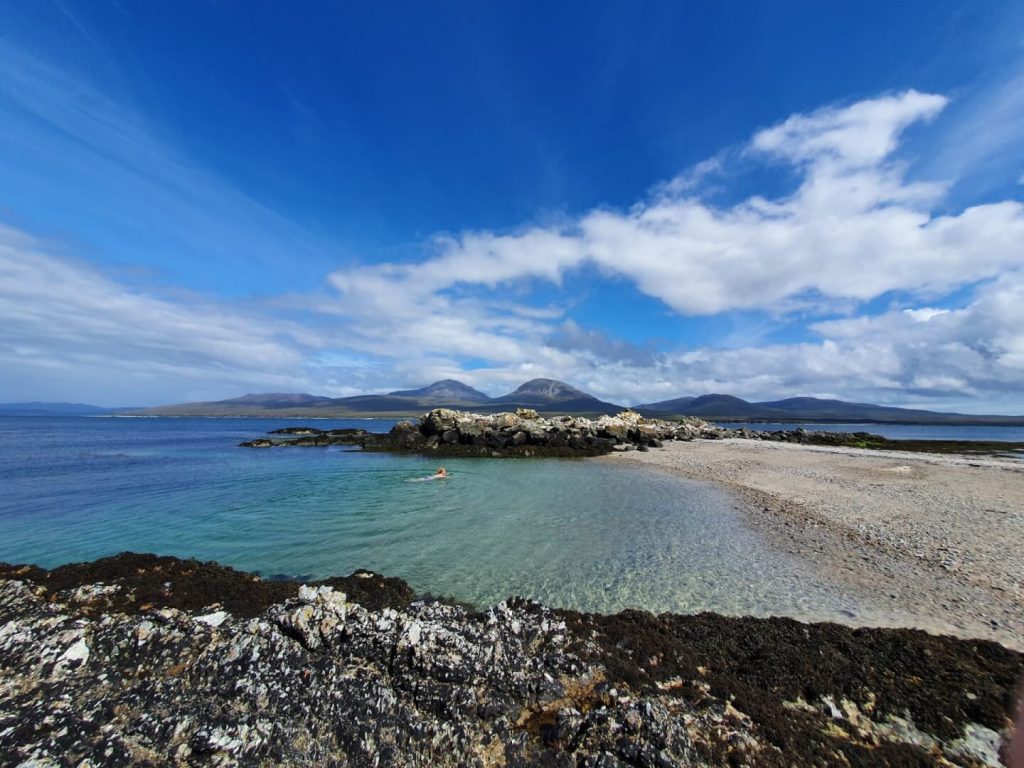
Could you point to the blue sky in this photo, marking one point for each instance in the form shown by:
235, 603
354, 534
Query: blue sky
646, 200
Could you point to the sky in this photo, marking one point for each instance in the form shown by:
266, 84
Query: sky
646, 200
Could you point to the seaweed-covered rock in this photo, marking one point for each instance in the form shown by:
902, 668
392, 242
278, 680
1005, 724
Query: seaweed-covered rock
338, 673
876, 442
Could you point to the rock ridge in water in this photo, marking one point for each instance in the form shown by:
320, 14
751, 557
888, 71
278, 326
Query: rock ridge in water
523, 432
320, 678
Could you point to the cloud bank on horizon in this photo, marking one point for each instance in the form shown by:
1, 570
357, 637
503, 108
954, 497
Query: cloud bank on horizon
871, 286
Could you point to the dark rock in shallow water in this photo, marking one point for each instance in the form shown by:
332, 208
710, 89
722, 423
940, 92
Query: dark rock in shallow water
260, 442
372, 677
348, 432
868, 440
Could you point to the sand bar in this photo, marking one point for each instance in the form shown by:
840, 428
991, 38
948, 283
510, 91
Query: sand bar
938, 538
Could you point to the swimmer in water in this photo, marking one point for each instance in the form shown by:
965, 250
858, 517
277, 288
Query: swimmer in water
441, 474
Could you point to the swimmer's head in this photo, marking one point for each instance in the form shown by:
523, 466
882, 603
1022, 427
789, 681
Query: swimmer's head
442, 471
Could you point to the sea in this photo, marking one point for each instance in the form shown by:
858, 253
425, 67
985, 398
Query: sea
585, 534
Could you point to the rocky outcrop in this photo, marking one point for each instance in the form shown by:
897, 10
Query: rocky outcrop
520, 433
526, 433
373, 677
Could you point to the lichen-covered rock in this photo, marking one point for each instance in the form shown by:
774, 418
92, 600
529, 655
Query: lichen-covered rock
321, 679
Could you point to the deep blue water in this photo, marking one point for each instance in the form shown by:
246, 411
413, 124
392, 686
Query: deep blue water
895, 431
586, 534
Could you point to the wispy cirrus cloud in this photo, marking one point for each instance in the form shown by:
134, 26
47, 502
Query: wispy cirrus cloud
79, 160
855, 228
69, 327
982, 146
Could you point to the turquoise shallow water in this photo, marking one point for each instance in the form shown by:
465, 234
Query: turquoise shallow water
574, 533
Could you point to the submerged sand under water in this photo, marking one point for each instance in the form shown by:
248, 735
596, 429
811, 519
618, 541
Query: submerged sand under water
938, 538
571, 533
735, 527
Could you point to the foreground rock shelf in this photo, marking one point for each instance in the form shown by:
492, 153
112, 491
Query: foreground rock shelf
140, 660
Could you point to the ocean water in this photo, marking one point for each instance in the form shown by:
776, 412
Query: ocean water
583, 534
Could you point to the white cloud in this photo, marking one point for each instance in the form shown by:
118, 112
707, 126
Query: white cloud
854, 229
971, 358
143, 199
72, 327
961, 355
982, 343
87, 335
858, 136
924, 314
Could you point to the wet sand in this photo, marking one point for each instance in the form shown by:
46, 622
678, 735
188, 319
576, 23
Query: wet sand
938, 538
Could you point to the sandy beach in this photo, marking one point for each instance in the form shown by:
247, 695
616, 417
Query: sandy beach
938, 538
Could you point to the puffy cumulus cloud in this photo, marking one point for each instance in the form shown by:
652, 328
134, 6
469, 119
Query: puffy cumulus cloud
860, 135
977, 348
413, 316
854, 228
970, 357
86, 335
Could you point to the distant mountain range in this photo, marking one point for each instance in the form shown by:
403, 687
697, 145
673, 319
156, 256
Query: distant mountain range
729, 408
545, 395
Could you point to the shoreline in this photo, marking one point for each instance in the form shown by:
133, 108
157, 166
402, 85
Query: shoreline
934, 536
